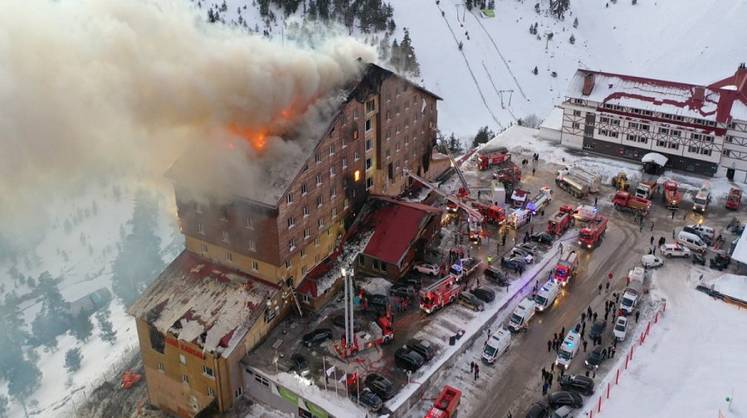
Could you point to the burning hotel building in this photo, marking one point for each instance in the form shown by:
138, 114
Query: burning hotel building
245, 257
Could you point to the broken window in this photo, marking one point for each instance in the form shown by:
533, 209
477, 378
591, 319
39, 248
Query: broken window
157, 341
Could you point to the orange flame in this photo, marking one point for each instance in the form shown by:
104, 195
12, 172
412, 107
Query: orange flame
256, 138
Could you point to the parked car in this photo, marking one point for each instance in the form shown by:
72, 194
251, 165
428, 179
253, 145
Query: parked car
407, 359
523, 254
705, 232
339, 321
380, 385
651, 261
370, 400
577, 383
431, 269
317, 337
514, 264
496, 275
690, 230
471, 301
299, 364
720, 261
485, 295
674, 250
413, 279
542, 238
377, 303
621, 328
563, 412
538, 410
597, 329
699, 258
402, 290
422, 347
565, 398
531, 247
594, 358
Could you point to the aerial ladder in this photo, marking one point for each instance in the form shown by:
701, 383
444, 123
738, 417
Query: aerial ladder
464, 190
473, 213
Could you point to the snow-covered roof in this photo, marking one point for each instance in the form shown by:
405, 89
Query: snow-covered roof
717, 102
513, 136
203, 303
740, 251
554, 119
732, 285
656, 158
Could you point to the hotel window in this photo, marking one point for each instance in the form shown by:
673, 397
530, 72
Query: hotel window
200, 228
319, 201
318, 179
306, 233
644, 127
368, 125
207, 371
291, 244
332, 149
642, 140
291, 222
249, 222
615, 122
674, 145
304, 189
705, 151
661, 143
676, 133
289, 198
305, 211
252, 245
226, 237
318, 157
664, 131
229, 256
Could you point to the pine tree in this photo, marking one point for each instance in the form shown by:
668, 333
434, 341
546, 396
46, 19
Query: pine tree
81, 326
23, 381
53, 319
575, 21
3, 406
535, 71
311, 10
484, 135
106, 330
572, 39
73, 359
469, 4
12, 334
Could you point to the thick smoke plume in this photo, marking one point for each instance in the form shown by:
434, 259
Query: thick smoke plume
89, 88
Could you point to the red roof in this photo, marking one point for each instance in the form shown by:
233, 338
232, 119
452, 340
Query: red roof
396, 224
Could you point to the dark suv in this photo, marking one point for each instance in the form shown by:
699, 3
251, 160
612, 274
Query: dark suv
380, 385
422, 347
408, 359
565, 398
317, 337
577, 383
538, 410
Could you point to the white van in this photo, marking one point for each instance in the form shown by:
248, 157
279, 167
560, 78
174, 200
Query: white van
522, 315
519, 218
691, 241
496, 345
568, 349
704, 231
632, 294
546, 295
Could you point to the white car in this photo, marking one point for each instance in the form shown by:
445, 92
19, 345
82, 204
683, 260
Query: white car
621, 328
674, 250
431, 269
651, 261
522, 254
704, 231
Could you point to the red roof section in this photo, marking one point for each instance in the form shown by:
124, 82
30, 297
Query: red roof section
396, 225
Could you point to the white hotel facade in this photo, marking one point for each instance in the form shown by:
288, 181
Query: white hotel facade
700, 129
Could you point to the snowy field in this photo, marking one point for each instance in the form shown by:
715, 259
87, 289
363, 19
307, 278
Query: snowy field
692, 360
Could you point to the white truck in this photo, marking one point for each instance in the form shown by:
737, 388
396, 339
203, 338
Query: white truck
496, 345
568, 349
591, 180
632, 294
522, 315
546, 295
702, 198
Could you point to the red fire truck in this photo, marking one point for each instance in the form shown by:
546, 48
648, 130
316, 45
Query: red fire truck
672, 197
625, 201
440, 294
592, 233
566, 268
560, 221
487, 158
493, 214
734, 199
446, 403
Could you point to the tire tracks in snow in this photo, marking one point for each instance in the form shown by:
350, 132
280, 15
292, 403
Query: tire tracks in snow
505, 62
469, 68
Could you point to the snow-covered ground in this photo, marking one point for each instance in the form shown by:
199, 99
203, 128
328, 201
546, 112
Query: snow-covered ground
692, 361
90, 246
732, 285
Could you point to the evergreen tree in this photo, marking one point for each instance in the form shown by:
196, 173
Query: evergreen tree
311, 10
73, 359
470, 4
12, 335
23, 381
575, 21
81, 326
139, 260
106, 330
572, 39
408, 55
53, 319
535, 71
323, 7
484, 135
3, 406
455, 145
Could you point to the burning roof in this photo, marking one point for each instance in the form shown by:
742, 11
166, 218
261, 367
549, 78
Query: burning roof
203, 303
